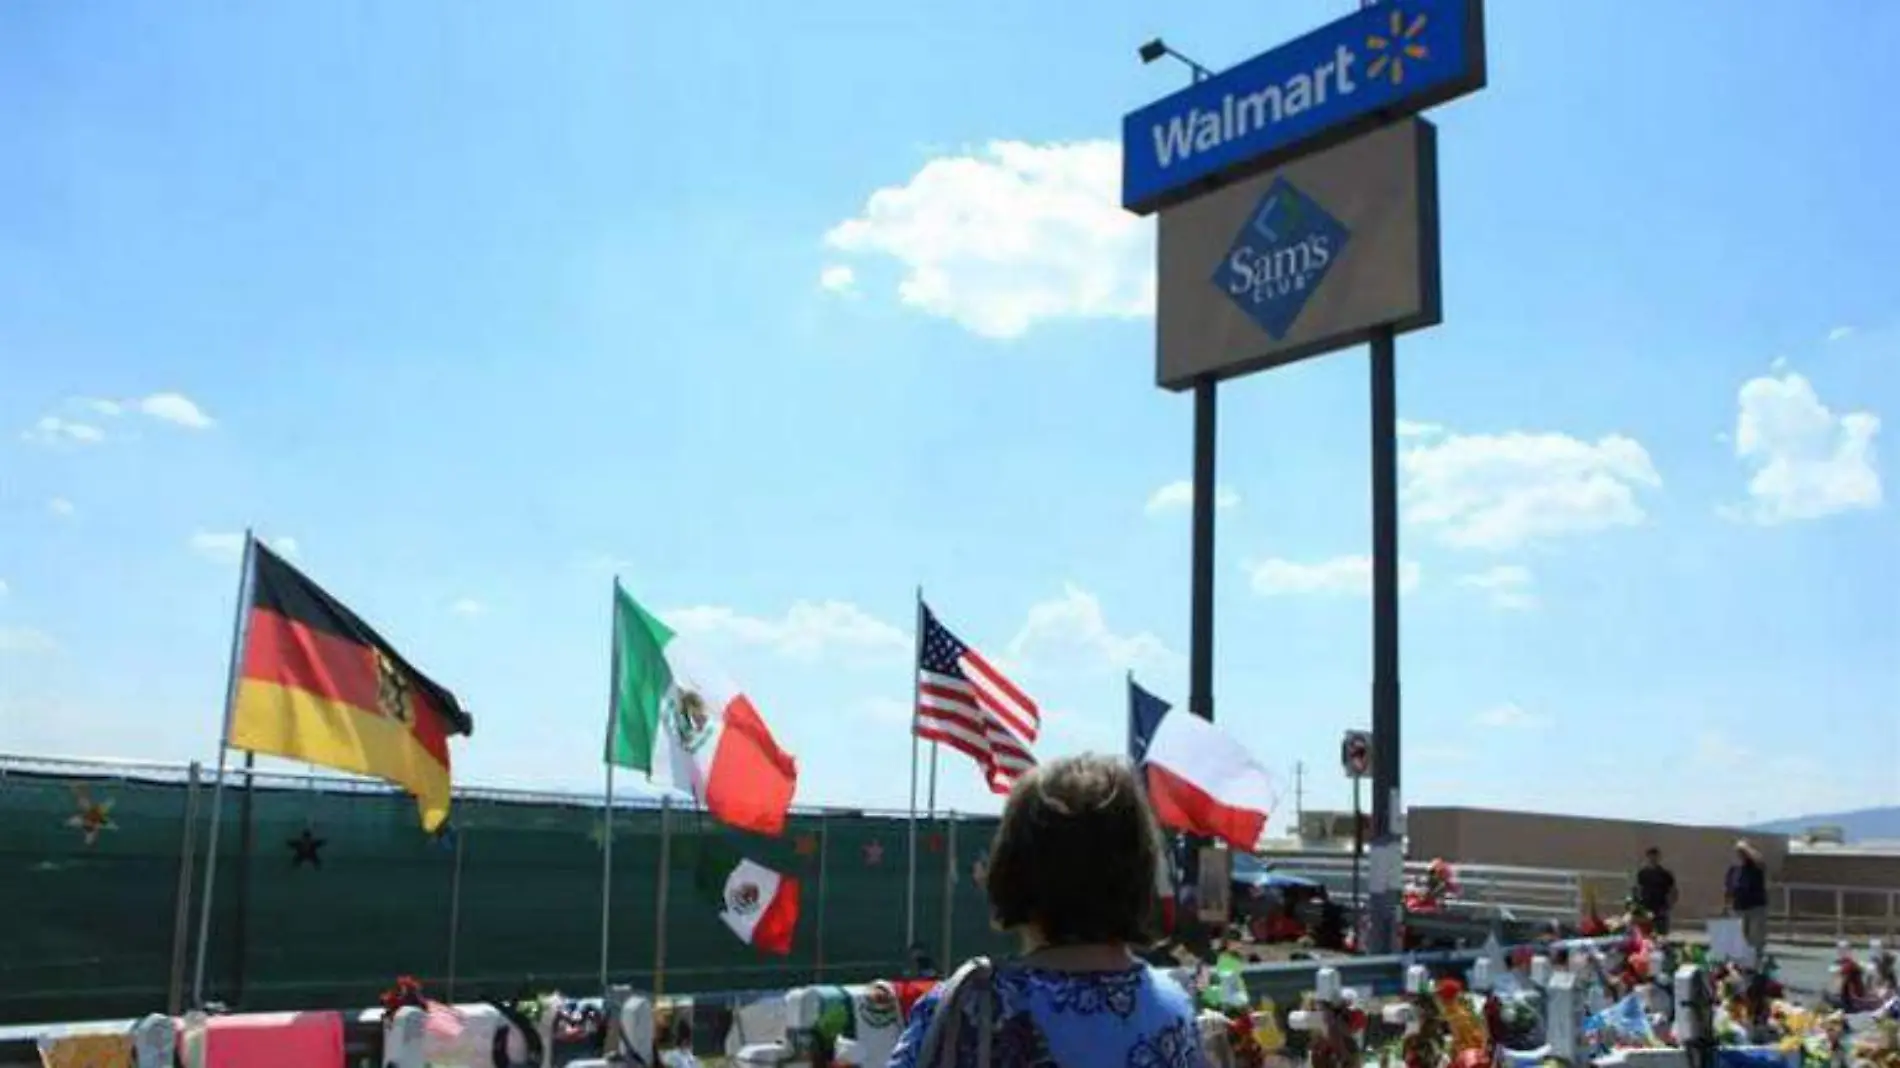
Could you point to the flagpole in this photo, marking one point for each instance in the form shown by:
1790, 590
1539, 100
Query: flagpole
455, 908
607, 806
930, 806
181, 919
659, 906
824, 850
1129, 741
916, 695
240, 625
247, 821
606, 875
949, 889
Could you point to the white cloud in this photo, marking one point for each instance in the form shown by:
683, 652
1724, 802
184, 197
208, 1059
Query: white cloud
1507, 716
1180, 494
3, 588
229, 546
1012, 236
1807, 461
1413, 428
807, 631
837, 278
1072, 631
1840, 333
468, 606
1341, 575
1498, 491
61, 507
175, 408
54, 430
26, 641
1508, 586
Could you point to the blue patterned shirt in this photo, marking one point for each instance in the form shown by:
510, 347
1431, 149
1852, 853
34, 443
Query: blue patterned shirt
1138, 1017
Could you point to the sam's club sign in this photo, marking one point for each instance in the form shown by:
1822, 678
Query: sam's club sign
1280, 257
1384, 62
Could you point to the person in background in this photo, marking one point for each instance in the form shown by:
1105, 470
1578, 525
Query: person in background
1745, 891
1656, 890
1072, 873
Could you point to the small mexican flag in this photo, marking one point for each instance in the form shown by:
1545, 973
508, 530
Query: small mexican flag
680, 720
759, 904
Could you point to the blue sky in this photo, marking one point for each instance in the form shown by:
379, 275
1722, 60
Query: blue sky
779, 312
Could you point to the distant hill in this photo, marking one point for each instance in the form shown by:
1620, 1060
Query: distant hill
1858, 826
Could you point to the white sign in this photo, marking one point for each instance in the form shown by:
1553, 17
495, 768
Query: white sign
1215, 885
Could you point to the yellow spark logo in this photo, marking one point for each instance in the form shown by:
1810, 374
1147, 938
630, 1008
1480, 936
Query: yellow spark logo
1395, 47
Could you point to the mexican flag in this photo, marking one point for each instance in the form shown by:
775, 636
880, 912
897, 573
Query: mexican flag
677, 718
758, 904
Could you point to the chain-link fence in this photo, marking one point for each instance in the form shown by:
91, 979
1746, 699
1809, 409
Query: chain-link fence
327, 889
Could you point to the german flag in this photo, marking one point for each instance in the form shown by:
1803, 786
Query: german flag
318, 685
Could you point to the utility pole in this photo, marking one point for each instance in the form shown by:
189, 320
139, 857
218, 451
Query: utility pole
1299, 796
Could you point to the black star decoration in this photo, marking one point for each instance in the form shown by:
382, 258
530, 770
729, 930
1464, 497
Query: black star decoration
304, 848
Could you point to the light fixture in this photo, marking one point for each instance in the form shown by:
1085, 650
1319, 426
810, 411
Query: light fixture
1157, 48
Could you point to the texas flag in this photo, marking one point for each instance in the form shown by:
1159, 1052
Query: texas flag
1202, 782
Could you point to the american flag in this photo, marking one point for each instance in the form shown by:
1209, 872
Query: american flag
971, 707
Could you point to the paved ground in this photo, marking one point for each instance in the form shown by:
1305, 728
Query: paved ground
1804, 969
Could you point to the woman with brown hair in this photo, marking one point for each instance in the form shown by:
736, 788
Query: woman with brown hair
1072, 873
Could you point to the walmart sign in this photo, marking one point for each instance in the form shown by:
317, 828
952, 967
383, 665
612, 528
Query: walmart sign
1384, 62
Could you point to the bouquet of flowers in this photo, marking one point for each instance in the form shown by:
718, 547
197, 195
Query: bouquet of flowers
1430, 894
1337, 1043
406, 992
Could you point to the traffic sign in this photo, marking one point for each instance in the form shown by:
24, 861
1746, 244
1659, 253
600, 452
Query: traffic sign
1355, 754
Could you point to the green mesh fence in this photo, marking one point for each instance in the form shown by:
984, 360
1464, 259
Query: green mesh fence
325, 892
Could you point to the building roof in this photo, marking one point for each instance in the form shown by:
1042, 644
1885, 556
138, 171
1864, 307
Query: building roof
1867, 847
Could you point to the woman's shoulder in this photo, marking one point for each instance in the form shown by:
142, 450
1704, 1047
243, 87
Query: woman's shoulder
1138, 974
1121, 991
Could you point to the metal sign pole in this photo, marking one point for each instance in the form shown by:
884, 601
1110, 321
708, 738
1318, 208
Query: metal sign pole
1358, 855
1201, 608
1201, 582
1388, 865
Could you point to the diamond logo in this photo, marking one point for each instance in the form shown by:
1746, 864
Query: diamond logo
1280, 257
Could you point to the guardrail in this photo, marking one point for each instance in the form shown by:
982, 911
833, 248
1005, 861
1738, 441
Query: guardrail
1541, 894
1808, 911
1285, 983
